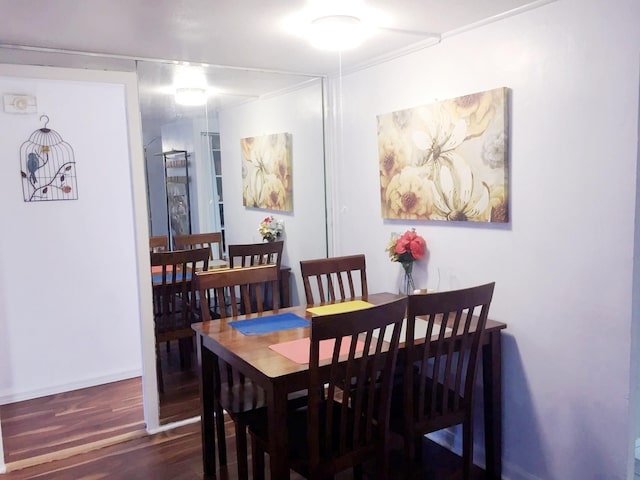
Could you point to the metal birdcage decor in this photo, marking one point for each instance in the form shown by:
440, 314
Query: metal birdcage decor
47, 166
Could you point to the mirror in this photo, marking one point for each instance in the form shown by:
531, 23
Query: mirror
244, 103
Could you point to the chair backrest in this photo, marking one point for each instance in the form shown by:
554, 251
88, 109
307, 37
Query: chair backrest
448, 364
158, 243
242, 289
250, 254
212, 241
357, 425
331, 279
174, 300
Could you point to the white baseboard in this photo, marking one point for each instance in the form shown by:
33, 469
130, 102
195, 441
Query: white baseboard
52, 390
171, 426
3, 468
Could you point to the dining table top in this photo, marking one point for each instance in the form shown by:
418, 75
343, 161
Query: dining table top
255, 350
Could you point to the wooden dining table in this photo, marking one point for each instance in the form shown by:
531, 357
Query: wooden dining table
279, 376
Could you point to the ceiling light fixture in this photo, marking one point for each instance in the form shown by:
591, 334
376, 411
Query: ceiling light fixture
191, 96
337, 32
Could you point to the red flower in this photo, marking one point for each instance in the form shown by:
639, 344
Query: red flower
412, 243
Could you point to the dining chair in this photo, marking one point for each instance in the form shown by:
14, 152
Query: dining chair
331, 279
212, 240
174, 301
251, 254
439, 375
341, 428
158, 243
237, 290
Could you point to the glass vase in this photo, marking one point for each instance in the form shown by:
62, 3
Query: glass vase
407, 285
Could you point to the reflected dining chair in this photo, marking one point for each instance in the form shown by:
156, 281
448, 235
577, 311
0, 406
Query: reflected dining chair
237, 290
439, 392
158, 243
174, 301
212, 241
341, 428
251, 254
331, 279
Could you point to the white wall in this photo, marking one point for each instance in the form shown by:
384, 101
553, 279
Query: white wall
74, 275
300, 113
563, 266
57, 333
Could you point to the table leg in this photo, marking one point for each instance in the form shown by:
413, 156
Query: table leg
278, 434
492, 383
207, 419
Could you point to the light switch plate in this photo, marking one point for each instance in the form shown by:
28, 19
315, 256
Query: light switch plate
19, 103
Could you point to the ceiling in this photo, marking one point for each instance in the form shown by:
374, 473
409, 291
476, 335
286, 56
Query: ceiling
247, 37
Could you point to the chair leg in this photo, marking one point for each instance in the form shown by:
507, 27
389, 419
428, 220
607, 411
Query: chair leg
241, 450
159, 370
257, 459
222, 443
467, 448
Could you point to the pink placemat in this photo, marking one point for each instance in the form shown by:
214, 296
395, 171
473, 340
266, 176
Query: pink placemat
298, 350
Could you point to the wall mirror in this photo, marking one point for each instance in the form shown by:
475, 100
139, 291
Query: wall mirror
208, 137
243, 107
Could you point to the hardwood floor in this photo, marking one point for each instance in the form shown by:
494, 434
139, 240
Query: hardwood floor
181, 397
70, 422
177, 455
98, 433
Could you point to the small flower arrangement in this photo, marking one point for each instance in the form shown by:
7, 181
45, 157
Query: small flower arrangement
406, 249
271, 229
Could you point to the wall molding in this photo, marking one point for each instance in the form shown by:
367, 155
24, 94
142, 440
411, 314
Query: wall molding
66, 387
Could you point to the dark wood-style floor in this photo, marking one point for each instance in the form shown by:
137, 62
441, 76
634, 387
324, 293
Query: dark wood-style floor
98, 433
72, 422
177, 455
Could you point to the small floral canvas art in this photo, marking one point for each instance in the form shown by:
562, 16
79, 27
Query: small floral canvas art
447, 160
266, 172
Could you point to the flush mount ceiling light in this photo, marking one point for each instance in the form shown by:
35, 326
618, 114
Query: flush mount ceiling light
333, 24
190, 96
190, 85
337, 32
340, 25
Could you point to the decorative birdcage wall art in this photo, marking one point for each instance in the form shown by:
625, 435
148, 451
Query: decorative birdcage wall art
47, 166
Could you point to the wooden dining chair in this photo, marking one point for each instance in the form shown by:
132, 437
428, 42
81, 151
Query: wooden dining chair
212, 241
439, 392
331, 279
158, 243
237, 290
341, 428
174, 301
251, 254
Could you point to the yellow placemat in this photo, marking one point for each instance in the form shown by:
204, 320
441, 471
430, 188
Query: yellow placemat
340, 307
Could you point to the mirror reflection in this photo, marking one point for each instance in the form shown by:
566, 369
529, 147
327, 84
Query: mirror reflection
193, 120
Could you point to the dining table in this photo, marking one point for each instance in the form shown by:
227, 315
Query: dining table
268, 358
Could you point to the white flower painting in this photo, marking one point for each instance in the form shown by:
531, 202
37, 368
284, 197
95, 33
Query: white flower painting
266, 172
446, 161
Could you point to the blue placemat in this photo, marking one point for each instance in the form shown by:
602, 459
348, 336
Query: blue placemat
157, 277
272, 323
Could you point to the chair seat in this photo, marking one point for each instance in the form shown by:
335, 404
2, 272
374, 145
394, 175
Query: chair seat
397, 418
241, 397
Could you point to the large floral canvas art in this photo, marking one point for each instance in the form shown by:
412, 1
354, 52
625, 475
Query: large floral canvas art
266, 172
447, 160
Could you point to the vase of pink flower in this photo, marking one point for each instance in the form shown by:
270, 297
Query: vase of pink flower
406, 249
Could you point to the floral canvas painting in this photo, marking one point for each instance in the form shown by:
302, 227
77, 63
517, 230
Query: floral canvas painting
447, 160
266, 172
